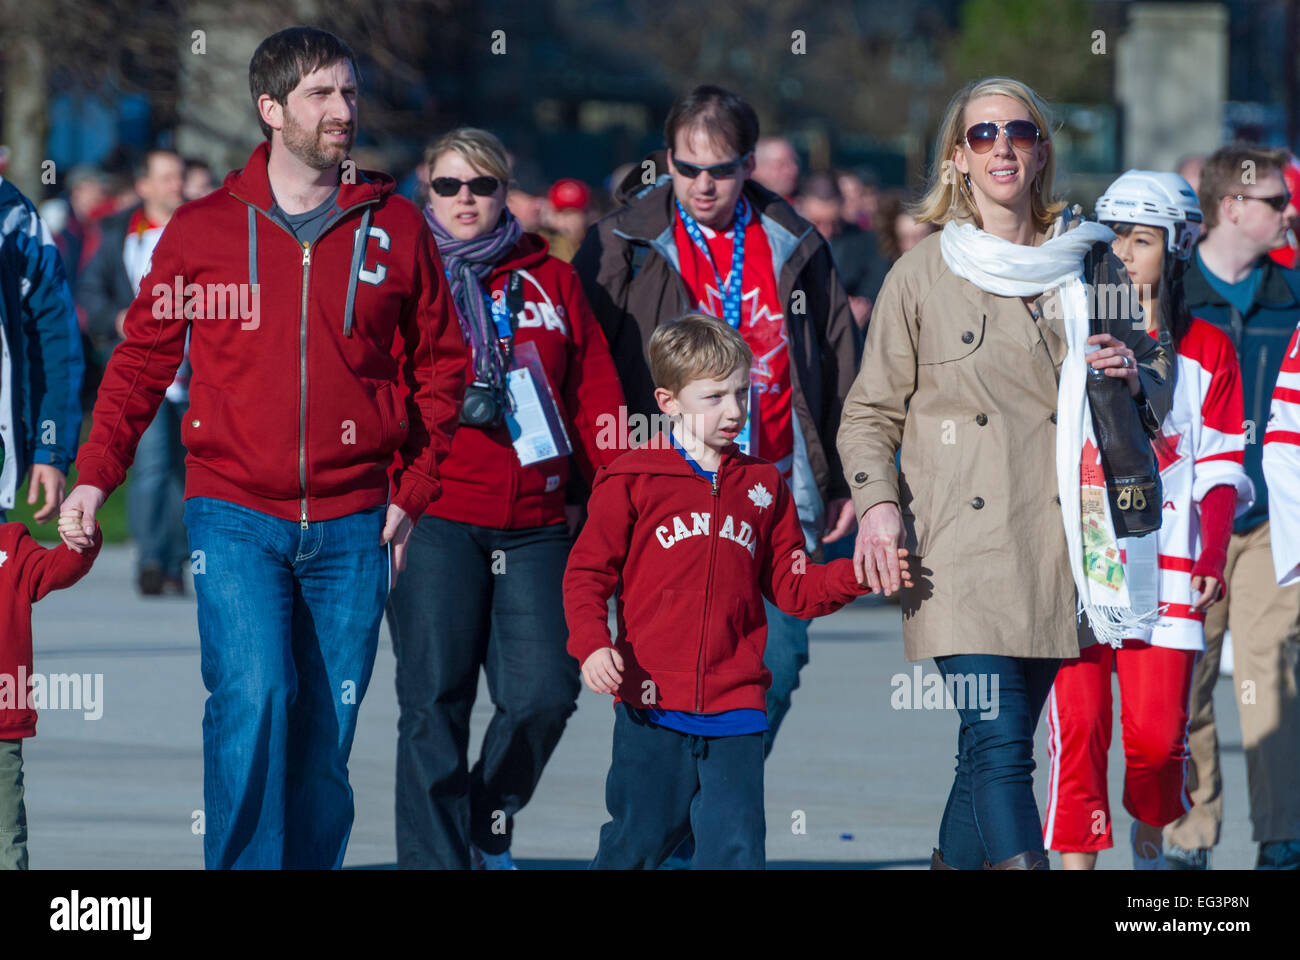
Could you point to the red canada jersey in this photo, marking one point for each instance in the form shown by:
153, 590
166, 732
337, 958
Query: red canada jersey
762, 324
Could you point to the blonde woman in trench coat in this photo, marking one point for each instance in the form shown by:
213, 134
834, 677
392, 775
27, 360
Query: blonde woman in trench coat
965, 383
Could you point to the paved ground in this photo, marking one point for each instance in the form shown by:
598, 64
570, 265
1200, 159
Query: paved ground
871, 781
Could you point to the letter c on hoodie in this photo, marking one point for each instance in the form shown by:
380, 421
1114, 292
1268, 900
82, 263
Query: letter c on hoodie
662, 533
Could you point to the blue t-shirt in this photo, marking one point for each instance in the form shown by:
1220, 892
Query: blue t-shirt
1240, 295
728, 723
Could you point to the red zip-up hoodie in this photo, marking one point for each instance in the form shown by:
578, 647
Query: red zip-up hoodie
295, 408
692, 562
483, 482
28, 572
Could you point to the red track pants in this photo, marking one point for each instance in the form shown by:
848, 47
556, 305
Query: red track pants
1154, 684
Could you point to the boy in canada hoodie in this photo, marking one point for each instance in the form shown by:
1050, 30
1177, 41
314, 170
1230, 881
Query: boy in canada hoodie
692, 534
28, 572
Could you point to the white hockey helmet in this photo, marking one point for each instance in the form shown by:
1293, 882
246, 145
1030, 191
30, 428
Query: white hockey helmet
1155, 199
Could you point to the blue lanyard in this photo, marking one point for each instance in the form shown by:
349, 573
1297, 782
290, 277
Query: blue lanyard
732, 292
500, 313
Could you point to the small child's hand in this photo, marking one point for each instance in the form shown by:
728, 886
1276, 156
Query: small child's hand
903, 567
904, 571
601, 671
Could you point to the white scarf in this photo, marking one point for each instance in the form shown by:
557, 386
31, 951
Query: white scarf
1008, 269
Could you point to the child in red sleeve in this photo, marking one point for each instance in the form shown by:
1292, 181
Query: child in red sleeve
693, 535
28, 572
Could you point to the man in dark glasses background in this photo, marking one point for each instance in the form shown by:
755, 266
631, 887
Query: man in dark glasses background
671, 248
1232, 283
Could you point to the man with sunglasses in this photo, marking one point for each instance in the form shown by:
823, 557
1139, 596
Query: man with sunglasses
1232, 283
697, 233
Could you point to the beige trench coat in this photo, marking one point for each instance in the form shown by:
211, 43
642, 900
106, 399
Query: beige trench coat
965, 383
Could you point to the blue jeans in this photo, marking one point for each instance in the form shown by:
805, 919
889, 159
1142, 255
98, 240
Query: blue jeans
476, 597
991, 813
288, 629
786, 654
665, 786
155, 498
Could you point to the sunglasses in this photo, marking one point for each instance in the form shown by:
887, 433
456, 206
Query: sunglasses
982, 136
718, 171
450, 186
1278, 201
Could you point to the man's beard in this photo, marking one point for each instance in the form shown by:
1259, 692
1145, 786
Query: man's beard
306, 145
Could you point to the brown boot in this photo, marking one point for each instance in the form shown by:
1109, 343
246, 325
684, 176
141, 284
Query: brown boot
936, 861
1029, 860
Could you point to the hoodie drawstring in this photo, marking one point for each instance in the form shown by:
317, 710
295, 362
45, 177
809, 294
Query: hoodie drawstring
358, 255
252, 247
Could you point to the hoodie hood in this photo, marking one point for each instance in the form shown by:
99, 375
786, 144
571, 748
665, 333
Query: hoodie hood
252, 186
658, 457
529, 252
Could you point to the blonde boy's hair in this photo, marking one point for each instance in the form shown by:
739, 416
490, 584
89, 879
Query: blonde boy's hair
696, 347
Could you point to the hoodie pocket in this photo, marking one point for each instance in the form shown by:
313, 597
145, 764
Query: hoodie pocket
669, 638
202, 424
393, 418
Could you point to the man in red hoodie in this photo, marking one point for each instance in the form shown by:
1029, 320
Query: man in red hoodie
295, 414
694, 535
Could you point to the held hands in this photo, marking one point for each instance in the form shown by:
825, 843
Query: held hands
601, 671
77, 517
1115, 359
878, 559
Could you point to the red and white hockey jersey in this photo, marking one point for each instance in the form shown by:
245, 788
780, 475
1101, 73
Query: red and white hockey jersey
1282, 467
1206, 444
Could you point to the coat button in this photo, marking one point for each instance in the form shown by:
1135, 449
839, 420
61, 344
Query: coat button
859, 478
1053, 417
401, 423
978, 503
194, 423
981, 419
968, 337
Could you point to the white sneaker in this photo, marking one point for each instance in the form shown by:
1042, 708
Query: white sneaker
1151, 857
490, 861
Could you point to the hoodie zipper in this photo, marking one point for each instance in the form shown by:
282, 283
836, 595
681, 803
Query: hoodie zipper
302, 387
708, 594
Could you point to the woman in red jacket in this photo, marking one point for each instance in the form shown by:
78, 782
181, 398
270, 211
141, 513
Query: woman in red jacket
483, 582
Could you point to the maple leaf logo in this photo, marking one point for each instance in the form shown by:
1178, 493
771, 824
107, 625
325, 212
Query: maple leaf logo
1091, 473
759, 494
1166, 447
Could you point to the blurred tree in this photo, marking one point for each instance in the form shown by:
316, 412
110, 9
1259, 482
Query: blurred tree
1049, 44
198, 82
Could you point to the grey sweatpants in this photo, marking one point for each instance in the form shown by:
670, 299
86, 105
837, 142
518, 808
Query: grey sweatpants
13, 813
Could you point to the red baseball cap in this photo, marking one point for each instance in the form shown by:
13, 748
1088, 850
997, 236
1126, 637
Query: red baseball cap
569, 194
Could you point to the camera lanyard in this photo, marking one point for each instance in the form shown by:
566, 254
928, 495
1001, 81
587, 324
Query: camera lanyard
505, 306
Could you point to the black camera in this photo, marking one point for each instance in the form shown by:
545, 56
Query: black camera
484, 405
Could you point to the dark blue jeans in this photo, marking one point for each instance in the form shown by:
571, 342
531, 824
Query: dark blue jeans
155, 497
991, 813
288, 629
664, 786
476, 597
